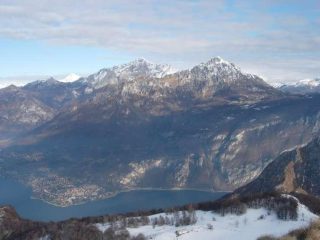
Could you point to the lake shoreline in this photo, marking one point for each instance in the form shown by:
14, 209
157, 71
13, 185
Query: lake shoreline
115, 194
29, 207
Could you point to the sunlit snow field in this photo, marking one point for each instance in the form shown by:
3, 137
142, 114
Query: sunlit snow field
249, 226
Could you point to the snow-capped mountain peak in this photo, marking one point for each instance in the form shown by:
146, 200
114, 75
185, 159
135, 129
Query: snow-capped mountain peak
218, 65
218, 60
139, 68
219, 70
70, 78
308, 82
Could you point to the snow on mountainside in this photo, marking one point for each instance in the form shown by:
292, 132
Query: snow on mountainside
219, 77
128, 72
215, 71
219, 67
248, 226
218, 71
202, 81
70, 78
303, 86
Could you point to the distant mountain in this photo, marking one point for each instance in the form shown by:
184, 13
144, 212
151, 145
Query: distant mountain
52, 92
304, 86
20, 111
20, 107
42, 83
296, 170
70, 78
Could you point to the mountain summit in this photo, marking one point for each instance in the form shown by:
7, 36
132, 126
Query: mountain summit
139, 68
42, 83
70, 78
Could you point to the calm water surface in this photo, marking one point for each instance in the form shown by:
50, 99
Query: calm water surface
19, 196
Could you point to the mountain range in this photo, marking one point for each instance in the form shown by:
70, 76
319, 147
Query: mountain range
146, 125
304, 86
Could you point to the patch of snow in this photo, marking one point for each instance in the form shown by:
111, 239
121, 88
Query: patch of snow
70, 78
102, 226
129, 72
249, 226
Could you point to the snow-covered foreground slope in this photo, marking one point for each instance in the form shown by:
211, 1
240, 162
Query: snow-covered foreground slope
251, 225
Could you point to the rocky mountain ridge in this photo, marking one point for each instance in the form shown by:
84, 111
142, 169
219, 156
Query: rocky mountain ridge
127, 72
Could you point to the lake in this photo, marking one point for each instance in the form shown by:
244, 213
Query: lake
19, 196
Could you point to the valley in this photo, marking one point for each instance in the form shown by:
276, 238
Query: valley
212, 127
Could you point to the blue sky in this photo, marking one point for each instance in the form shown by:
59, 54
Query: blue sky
278, 40
34, 57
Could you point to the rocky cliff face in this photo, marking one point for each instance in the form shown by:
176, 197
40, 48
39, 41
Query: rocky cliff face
296, 170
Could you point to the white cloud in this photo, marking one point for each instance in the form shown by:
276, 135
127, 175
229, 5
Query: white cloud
174, 31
